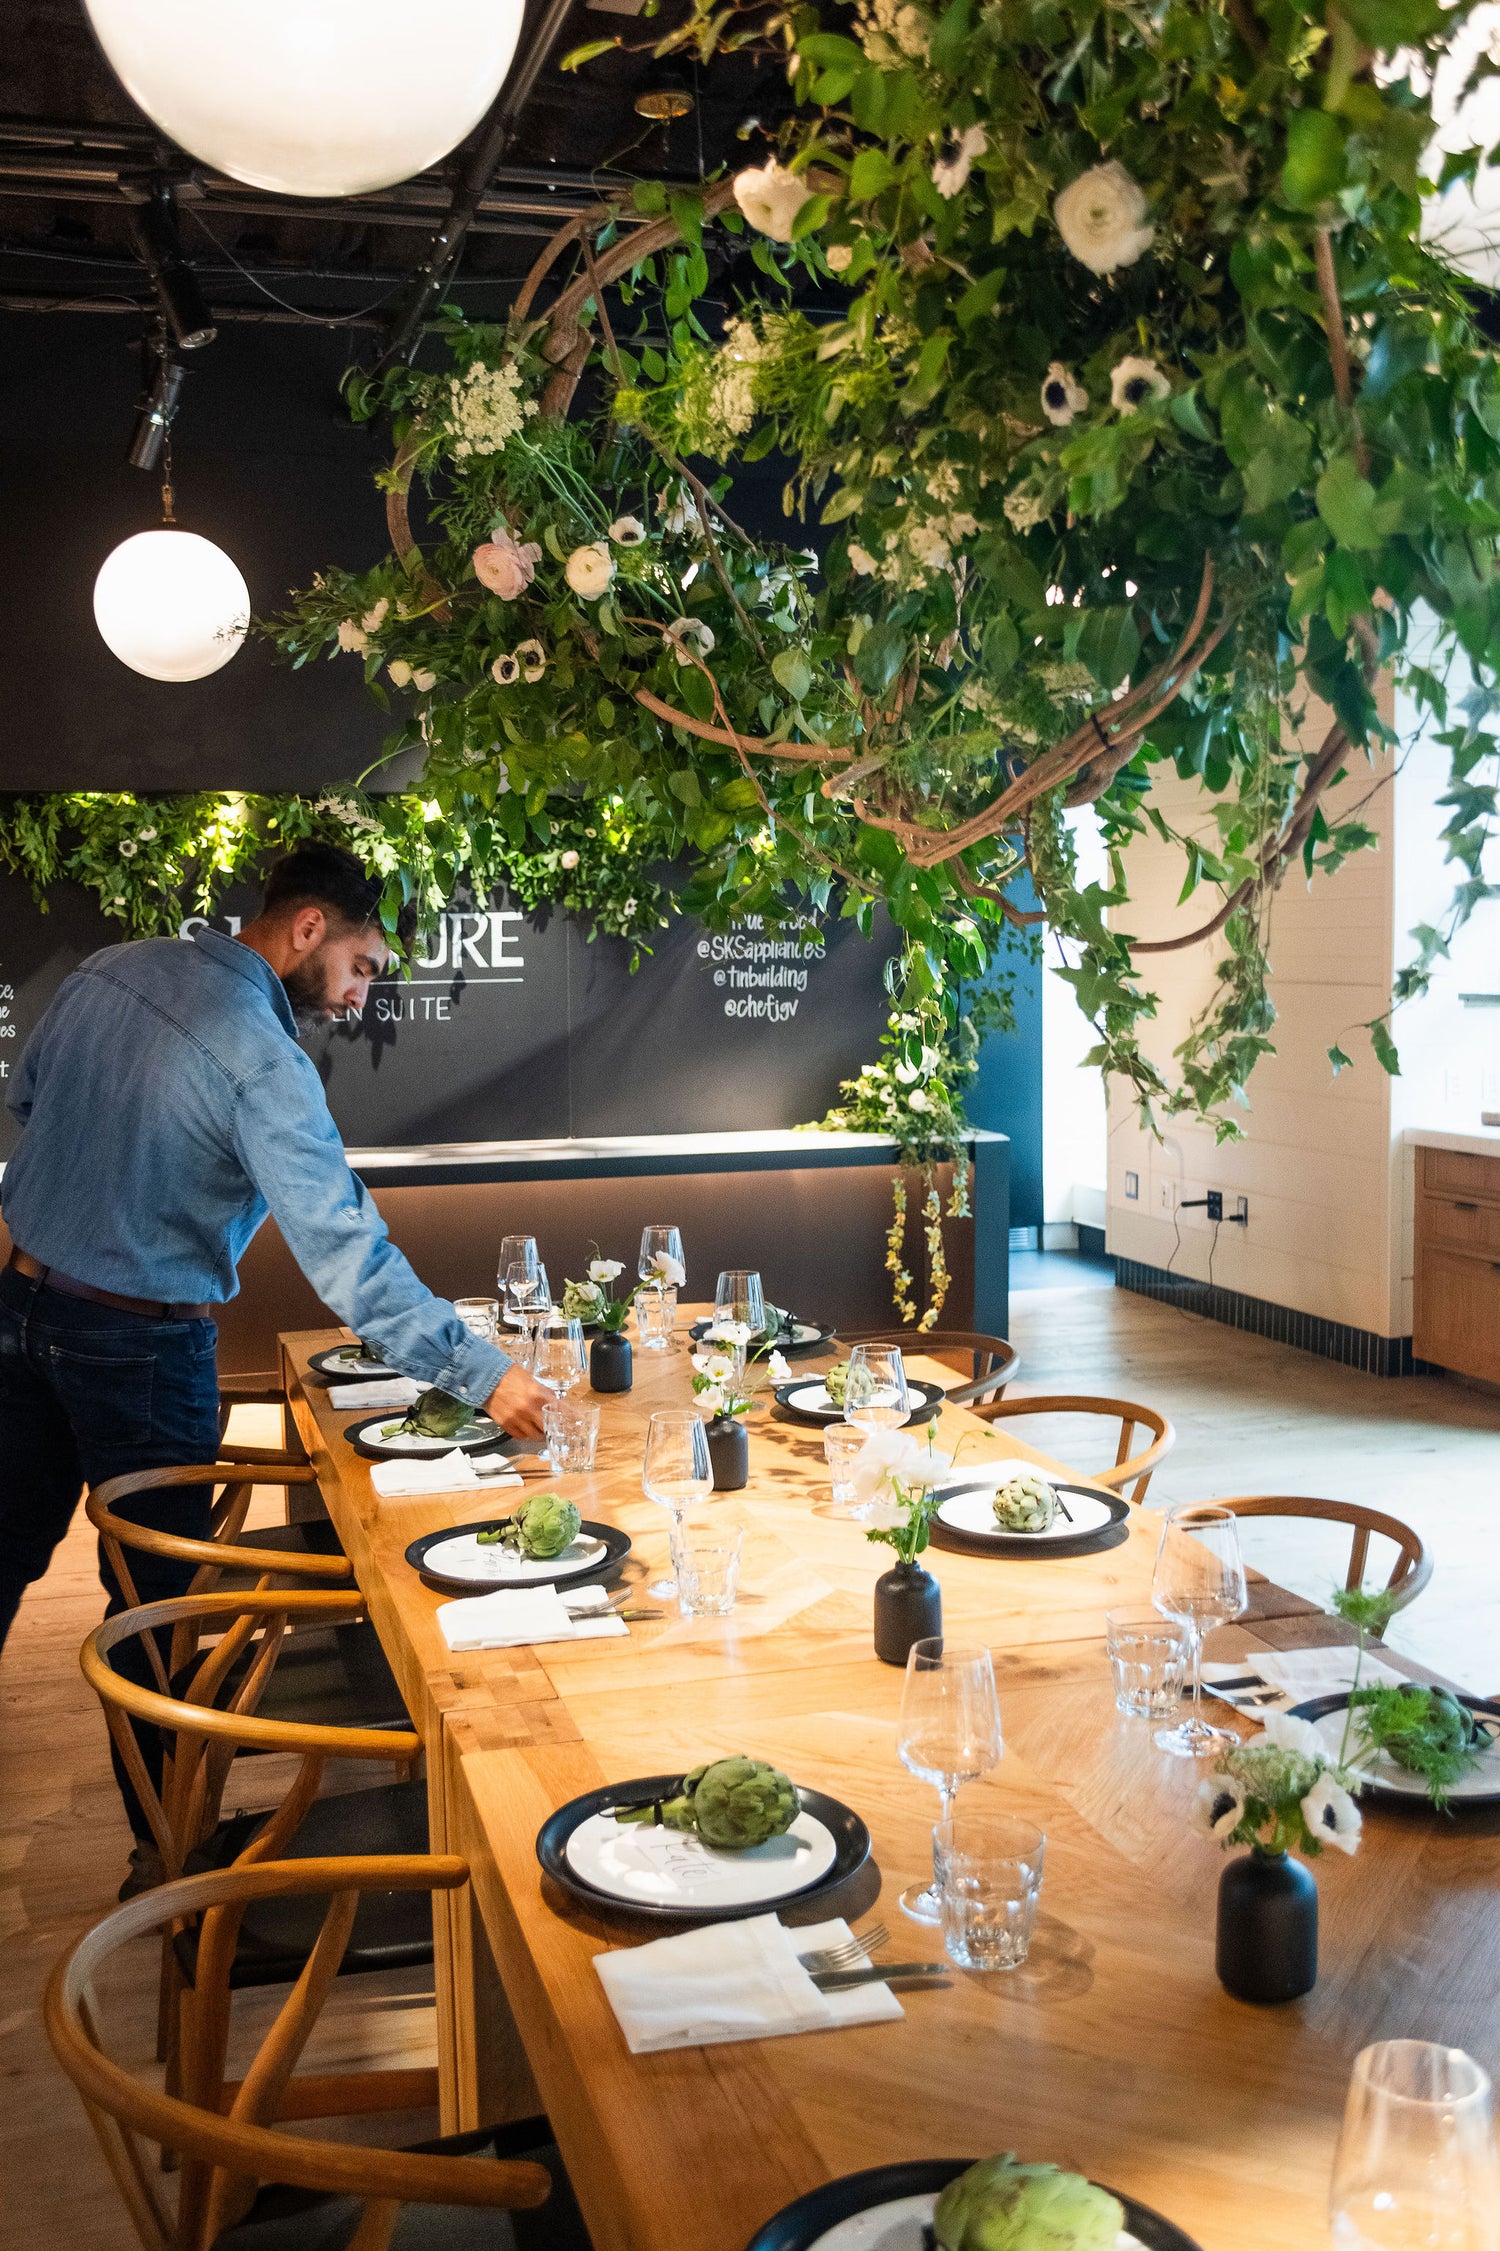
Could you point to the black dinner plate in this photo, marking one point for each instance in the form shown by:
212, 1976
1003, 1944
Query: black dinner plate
616, 1548
373, 1371
1107, 1535
480, 1437
819, 1341
1319, 1707
850, 1837
927, 1399
801, 2224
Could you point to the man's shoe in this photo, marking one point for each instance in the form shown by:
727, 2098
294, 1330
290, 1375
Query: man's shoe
146, 1870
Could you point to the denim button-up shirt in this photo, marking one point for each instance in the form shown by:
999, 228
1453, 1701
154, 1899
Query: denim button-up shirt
167, 1107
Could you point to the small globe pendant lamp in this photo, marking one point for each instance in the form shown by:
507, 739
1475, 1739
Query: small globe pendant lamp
311, 97
171, 604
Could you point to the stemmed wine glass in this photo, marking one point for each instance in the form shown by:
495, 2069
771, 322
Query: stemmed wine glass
559, 1358
676, 1472
529, 1295
1416, 2168
875, 1390
739, 1297
515, 1250
948, 1733
1199, 1580
659, 1242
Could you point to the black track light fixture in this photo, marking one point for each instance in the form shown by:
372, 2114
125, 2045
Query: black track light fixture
153, 227
161, 395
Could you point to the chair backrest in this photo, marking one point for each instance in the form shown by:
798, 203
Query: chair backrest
206, 1736
225, 2132
216, 1555
1409, 1573
992, 1360
1128, 1469
265, 1390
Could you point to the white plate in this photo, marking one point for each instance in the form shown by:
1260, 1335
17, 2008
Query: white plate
348, 1363
973, 1511
481, 1432
901, 2225
812, 1398
1482, 1782
462, 1557
665, 1867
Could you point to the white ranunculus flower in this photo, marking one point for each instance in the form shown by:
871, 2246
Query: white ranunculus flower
1332, 1815
627, 531
719, 1367
950, 176
1133, 381
588, 570
353, 638
1221, 1805
604, 1269
1062, 397
840, 256
373, 620
669, 1271
532, 658
1288, 1733
505, 672
424, 680
1101, 217
399, 672
770, 198
569, 860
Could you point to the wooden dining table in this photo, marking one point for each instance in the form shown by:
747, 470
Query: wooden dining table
1112, 2051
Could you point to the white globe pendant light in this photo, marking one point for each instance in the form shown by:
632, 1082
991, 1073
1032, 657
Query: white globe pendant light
171, 605
311, 97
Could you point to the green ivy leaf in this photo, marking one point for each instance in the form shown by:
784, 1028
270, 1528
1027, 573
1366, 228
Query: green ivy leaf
1385, 1048
1348, 506
1315, 159
793, 671
871, 173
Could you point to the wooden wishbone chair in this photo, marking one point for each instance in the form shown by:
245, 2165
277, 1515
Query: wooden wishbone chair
1128, 1467
993, 1360
257, 1391
1409, 1573
227, 2132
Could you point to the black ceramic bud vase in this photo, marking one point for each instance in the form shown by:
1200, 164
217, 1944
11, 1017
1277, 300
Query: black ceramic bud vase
729, 1452
908, 1608
1267, 1948
609, 1362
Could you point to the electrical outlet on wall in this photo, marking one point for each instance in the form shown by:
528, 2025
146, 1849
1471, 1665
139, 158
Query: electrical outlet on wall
1166, 1197
1132, 1187
1240, 1214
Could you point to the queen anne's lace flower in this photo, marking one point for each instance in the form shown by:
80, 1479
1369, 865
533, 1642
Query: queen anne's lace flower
484, 408
893, 31
1100, 217
1025, 510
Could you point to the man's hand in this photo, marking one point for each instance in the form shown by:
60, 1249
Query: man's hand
517, 1401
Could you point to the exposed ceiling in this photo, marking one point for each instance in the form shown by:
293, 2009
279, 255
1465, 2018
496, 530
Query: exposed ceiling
76, 155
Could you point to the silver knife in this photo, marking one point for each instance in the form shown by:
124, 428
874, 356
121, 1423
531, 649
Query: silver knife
879, 1973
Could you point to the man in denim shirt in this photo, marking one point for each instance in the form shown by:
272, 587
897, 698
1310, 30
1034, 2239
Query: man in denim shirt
166, 1107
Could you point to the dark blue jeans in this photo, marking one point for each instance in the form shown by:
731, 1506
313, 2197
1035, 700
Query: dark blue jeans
86, 1394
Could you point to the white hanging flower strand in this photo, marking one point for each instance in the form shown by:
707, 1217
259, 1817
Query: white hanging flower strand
1100, 217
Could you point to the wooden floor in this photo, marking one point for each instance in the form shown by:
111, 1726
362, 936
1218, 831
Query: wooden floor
1251, 1417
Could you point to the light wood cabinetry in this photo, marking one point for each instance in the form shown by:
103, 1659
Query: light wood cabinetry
1456, 1321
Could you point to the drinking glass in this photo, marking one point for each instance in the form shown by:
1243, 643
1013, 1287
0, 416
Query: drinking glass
659, 1242
948, 1733
655, 1318
1199, 1580
559, 1357
989, 1870
842, 1446
1148, 1655
571, 1430
708, 1569
1416, 2168
676, 1472
523, 1286
875, 1393
481, 1314
515, 1250
739, 1298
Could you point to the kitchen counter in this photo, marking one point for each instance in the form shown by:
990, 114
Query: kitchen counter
1482, 1141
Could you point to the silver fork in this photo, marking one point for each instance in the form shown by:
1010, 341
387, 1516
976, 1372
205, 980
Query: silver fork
850, 1955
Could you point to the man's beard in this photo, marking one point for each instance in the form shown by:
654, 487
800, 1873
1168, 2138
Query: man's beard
307, 990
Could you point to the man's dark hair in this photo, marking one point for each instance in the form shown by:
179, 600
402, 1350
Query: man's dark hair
326, 876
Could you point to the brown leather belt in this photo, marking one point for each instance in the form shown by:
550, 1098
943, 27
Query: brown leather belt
150, 1308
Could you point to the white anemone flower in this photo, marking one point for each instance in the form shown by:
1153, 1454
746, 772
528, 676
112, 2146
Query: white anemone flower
682, 631
604, 1269
532, 658
589, 570
627, 531
950, 175
1062, 397
1332, 1815
505, 672
1221, 1805
1133, 381
770, 198
1287, 1733
1101, 217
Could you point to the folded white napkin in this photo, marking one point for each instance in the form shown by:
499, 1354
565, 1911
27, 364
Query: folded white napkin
731, 1981
396, 1391
1293, 1676
441, 1473
516, 1616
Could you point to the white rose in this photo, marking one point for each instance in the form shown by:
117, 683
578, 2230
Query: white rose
373, 620
770, 197
1099, 216
951, 175
627, 531
917, 1100
1133, 381
353, 637
1062, 398
589, 570
840, 256
399, 673
505, 672
569, 860
604, 1269
424, 680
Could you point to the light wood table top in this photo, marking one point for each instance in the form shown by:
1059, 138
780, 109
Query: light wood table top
1113, 2050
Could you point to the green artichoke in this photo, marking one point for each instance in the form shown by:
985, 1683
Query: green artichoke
733, 1803
436, 1414
999, 2205
544, 1527
371, 1352
1025, 1503
835, 1383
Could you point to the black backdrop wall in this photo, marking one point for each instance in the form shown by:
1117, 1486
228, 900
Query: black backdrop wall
513, 1027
